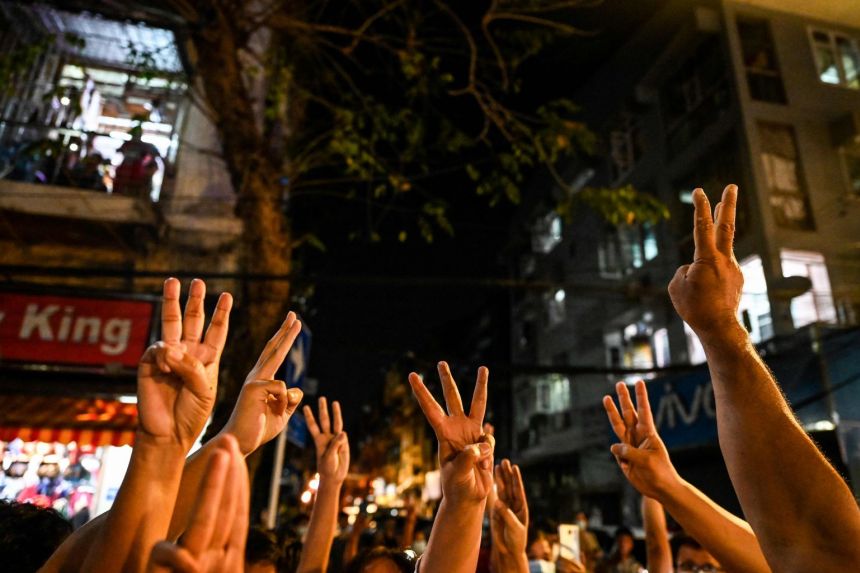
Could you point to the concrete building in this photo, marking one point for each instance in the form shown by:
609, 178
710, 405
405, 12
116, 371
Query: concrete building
88, 223
762, 94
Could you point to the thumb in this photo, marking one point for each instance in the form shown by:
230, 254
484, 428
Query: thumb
294, 398
466, 459
189, 369
627, 453
505, 513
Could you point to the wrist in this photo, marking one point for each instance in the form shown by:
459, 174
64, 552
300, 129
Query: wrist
517, 562
725, 334
329, 484
158, 448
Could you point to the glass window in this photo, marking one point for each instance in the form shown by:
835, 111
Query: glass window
626, 248
556, 311
755, 305
781, 162
546, 233
816, 305
625, 145
837, 58
762, 68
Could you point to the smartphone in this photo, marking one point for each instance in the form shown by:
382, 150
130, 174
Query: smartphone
568, 538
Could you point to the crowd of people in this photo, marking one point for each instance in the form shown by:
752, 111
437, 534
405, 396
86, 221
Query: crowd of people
191, 514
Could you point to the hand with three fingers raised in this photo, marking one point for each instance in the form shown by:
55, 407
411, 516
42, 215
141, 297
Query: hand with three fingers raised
641, 454
265, 404
707, 292
177, 377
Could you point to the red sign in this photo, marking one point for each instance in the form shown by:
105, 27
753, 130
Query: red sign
73, 330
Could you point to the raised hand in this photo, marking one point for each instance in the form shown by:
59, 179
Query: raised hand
330, 440
265, 405
641, 454
509, 518
465, 452
215, 539
177, 377
707, 292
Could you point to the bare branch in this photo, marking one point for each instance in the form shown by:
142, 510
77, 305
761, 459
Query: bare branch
368, 23
544, 22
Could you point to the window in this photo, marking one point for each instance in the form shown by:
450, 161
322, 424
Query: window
625, 145
553, 394
837, 58
762, 68
783, 174
546, 233
755, 305
661, 348
626, 248
816, 305
556, 310
851, 166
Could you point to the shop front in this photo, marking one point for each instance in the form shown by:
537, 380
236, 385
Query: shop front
67, 396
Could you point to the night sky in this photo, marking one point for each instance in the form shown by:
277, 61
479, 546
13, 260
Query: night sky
360, 329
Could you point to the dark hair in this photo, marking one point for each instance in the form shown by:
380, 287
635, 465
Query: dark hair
403, 561
683, 540
622, 531
262, 547
29, 535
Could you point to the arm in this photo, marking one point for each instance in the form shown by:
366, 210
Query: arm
509, 521
466, 460
261, 412
218, 524
645, 462
773, 464
332, 464
176, 380
658, 552
408, 536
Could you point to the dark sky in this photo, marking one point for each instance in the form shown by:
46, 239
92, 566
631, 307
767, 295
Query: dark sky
360, 329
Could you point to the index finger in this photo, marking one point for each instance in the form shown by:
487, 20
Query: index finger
479, 398
615, 419
643, 407
171, 315
216, 334
273, 356
726, 220
311, 421
449, 390
703, 226
337, 426
192, 326
431, 408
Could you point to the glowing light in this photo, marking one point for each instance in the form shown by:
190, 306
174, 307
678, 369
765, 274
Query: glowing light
306, 496
372, 508
65, 101
315, 482
560, 295
128, 399
351, 519
74, 147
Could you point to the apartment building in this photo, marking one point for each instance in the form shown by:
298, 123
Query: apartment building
763, 94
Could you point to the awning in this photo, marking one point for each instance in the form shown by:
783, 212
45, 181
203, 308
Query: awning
87, 421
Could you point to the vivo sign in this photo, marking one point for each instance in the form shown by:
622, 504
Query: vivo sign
73, 330
684, 409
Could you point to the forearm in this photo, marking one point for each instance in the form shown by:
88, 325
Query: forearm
192, 477
727, 537
455, 538
69, 556
321, 528
658, 551
751, 412
140, 516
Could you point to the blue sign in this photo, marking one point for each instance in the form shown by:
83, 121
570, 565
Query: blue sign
684, 409
295, 373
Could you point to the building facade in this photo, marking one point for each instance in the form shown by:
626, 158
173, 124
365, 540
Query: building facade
702, 95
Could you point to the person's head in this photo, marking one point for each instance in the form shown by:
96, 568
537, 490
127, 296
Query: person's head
262, 552
623, 542
538, 547
582, 520
690, 555
29, 535
381, 560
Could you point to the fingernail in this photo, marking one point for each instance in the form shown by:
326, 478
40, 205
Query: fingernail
294, 395
485, 449
486, 464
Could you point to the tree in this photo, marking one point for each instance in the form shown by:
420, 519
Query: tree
372, 102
